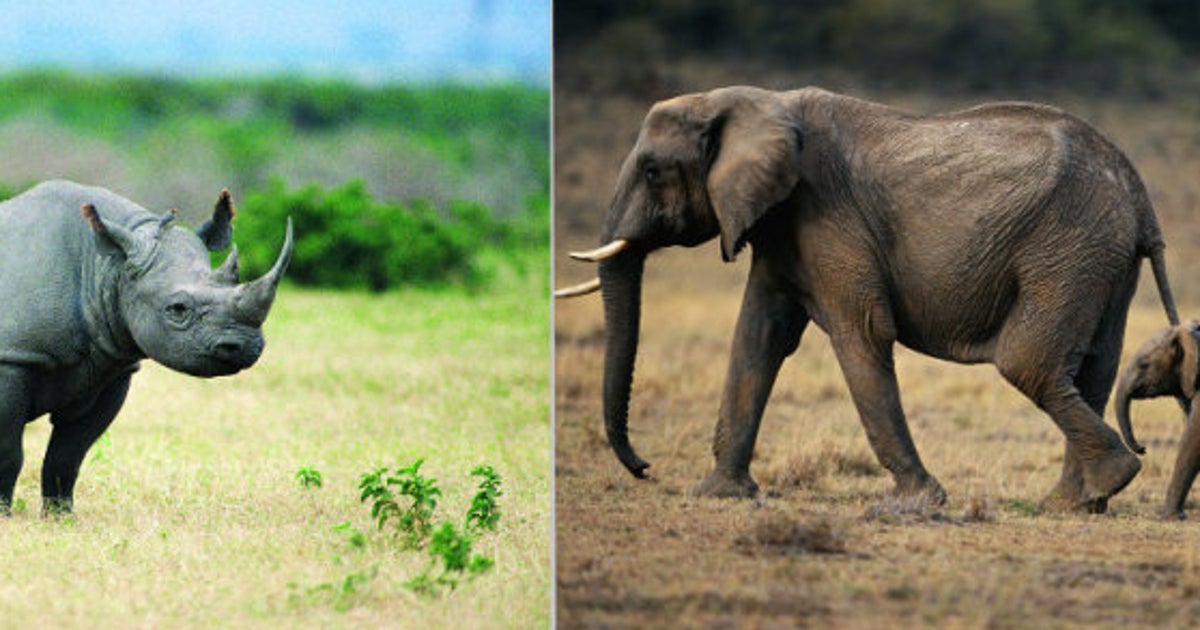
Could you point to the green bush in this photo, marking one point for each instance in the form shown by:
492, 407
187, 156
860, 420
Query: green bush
346, 239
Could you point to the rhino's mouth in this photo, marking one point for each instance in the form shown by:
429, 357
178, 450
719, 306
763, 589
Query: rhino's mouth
219, 365
212, 366
232, 366
233, 353
224, 366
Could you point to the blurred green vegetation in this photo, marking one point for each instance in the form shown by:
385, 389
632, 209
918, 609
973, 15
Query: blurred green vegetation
387, 185
350, 240
1130, 46
244, 116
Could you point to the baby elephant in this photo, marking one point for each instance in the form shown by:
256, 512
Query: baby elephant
1167, 365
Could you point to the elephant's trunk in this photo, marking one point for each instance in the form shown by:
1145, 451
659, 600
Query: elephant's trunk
1121, 404
621, 283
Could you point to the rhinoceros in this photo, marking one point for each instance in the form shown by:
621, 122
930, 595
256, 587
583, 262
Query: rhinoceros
91, 284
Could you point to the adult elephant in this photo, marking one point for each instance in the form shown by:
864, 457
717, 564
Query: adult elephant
1009, 233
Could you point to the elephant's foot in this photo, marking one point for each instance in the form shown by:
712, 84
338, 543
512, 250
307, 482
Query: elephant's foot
1172, 509
1087, 486
1105, 476
923, 486
1172, 514
1067, 494
723, 484
1063, 499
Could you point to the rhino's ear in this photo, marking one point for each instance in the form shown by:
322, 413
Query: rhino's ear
111, 240
217, 232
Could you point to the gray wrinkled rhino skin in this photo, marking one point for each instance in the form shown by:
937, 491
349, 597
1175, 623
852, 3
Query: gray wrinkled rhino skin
91, 284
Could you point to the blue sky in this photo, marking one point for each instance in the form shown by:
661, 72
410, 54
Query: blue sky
372, 40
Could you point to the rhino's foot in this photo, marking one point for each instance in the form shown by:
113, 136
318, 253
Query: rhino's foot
57, 507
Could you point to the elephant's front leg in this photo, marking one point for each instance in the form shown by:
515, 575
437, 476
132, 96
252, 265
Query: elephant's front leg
74, 433
1187, 465
868, 368
768, 330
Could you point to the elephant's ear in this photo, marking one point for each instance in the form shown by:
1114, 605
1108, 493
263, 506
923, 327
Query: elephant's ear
756, 164
1189, 361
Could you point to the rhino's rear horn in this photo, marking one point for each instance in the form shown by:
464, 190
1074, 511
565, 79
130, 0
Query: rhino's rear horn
227, 273
253, 299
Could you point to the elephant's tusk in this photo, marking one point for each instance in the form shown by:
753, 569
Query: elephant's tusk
584, 288
602, 252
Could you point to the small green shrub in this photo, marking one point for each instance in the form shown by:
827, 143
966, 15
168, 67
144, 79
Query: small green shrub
413, 522
451, 555
484, 514
452, 549
309, 477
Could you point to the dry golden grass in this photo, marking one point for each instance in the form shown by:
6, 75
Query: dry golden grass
824, 545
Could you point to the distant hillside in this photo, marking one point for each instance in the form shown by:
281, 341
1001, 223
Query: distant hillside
1141, 47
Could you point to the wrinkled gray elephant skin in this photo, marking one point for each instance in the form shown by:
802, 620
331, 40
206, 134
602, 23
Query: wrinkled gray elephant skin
1167, 365
1010, 233
91, 284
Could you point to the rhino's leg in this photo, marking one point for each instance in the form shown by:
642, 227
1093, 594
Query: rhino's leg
74, 433
14, 413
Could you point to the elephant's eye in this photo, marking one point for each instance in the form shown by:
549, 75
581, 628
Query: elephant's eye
652, 173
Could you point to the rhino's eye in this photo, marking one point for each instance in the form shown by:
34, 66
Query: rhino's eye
179, 310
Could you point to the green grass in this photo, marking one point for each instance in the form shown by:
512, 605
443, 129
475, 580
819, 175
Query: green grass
189, 512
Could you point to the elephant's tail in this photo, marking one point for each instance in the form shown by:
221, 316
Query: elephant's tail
1159, 266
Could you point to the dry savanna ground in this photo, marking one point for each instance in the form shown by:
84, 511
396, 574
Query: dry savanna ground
825, 545
189, 513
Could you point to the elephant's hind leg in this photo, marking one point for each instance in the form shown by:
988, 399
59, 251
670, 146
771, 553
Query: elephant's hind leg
1094, 380
1096, 464
1071, 388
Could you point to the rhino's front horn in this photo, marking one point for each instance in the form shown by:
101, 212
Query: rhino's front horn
253, 300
